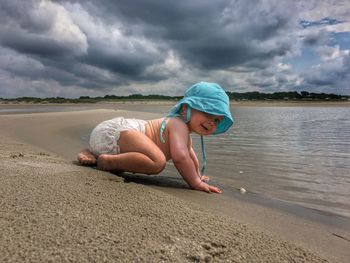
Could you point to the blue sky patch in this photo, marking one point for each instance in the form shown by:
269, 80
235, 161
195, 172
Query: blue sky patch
322, 22
342, 39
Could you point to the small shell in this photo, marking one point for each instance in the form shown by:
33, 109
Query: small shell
242, 190
240, 172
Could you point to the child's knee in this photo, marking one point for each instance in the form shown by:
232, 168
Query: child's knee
159, 164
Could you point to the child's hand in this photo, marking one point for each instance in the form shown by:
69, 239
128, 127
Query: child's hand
208, 188
205, 178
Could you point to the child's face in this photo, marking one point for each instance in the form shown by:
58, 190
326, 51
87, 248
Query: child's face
203, 123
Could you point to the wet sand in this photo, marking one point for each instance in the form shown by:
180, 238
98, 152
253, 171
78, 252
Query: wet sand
53, 209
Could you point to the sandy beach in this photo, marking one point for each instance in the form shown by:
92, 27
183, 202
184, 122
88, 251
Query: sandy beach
55, 210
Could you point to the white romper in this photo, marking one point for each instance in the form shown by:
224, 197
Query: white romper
104, 137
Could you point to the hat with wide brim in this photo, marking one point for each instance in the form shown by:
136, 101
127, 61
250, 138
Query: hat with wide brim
209, 98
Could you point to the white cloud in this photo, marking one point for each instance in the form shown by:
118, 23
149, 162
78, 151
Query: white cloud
62, 25
111, 39
283, 67
328, 53
170, 67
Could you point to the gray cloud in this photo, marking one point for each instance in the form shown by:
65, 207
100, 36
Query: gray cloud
316, 38
42, 29
105, 46
127, 62
210, 34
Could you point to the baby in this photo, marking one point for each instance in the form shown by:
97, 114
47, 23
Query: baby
140, 146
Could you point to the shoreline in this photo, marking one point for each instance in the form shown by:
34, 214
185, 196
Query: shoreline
257, 103
162, 106
60, 132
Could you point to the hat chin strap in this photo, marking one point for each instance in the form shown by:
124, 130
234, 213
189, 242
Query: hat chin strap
204, 157
188, 114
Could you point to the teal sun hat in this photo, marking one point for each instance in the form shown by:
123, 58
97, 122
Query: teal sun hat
209, 98
205, 97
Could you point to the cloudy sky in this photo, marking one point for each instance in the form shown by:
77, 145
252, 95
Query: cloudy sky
121, 47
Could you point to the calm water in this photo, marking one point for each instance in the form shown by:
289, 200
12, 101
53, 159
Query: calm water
295, 154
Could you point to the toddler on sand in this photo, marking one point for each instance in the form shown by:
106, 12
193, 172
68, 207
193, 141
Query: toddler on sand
140, 146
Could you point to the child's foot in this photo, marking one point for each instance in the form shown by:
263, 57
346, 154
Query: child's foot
85, 157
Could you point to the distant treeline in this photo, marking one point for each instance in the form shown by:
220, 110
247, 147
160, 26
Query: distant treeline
291, 95
87, 99
287, 96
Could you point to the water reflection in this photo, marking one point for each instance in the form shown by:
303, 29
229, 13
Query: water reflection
295, 154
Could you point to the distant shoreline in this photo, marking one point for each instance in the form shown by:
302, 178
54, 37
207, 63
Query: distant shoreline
247, 103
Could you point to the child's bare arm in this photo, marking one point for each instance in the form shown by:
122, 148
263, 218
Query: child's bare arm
193, 155
178, 139
181, 156
194, 159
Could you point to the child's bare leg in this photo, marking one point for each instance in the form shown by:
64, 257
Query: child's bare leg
138, 154
85, 157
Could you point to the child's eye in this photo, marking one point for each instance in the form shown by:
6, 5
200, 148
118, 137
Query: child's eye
217, 121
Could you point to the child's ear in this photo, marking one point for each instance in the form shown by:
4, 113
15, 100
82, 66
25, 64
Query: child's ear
186, 112
184, 109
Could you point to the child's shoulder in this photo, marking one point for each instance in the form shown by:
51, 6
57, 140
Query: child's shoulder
176, 122
170, 121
